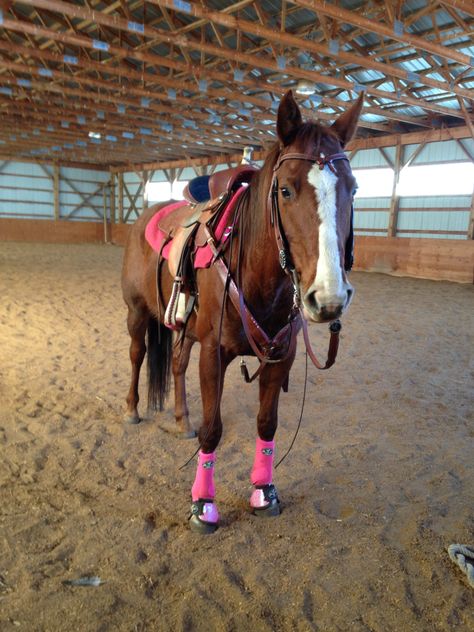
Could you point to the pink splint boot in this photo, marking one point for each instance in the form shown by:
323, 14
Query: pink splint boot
204, 517
264, 499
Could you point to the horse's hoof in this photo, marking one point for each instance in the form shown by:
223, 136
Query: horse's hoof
188, 434
184, 428
134, 420
265, 502
204, 517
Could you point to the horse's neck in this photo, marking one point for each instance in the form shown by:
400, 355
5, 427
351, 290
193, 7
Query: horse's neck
264, 283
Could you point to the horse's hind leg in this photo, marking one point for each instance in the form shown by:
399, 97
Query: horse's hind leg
137, 322
181, 355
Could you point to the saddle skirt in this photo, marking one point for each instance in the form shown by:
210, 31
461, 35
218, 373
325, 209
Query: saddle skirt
174, 220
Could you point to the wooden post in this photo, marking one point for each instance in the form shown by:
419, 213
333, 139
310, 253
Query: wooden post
394, 202
145, 192
120, 198
104, 195
112, 198
56, 191
470, 232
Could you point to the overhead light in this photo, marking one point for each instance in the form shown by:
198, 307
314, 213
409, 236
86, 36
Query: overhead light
95, 135
305, 87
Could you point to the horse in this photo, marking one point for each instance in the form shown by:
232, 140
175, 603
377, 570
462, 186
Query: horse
285, 265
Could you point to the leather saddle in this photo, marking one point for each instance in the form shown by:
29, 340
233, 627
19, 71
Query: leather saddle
203, 188
188, 226
191, 227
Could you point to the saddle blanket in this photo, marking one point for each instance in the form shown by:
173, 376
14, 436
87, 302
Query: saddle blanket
203, 255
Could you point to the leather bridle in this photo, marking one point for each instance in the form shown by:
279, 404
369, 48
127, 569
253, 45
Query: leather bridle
284, 254
283, 247
278, 349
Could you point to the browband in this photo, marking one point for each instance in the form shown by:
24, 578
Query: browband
320, 160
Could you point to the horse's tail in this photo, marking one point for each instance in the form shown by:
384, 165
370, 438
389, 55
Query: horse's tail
159, 352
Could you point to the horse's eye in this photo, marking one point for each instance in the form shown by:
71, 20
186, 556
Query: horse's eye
285, 192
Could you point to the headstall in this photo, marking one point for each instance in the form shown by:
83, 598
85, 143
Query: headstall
277, 349
286, 261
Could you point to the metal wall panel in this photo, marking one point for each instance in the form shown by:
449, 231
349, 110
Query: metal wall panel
160, 176
427, 220
436, 202
367, 220
371, 158
26, 191
440, 151
81, 193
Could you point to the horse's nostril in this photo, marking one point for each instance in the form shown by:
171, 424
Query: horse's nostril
311, 301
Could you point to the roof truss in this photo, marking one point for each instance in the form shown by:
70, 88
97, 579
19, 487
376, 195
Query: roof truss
127, 81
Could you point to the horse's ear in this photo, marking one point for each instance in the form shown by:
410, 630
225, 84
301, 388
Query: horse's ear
288, 119
346, 124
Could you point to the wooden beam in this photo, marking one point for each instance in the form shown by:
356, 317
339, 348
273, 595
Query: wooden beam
162, 35
104, 213
394, 201
112, 198
151, 93
145, 192
470, 231
390, 140
466, 6
120, 198
57, 211
49, 161
287, 39
375, 26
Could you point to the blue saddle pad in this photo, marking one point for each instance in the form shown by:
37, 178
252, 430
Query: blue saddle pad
199, 188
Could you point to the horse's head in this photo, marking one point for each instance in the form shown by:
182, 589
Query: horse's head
315, 193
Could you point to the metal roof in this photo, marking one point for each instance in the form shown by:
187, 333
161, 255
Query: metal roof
134, 81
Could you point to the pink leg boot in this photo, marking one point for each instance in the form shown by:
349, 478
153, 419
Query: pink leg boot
204, 515
264, 499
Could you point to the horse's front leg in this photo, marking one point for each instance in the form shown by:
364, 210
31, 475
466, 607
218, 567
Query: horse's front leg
213, 362
264, 499
181, 355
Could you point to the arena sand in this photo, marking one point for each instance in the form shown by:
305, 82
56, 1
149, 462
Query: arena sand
379, 483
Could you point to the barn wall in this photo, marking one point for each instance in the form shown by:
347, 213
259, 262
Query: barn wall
434, 229
443, 259
427, 216
28, 191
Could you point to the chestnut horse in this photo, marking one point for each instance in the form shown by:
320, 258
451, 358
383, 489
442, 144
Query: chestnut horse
286, 257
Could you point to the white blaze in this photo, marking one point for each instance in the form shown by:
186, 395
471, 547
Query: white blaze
328, 283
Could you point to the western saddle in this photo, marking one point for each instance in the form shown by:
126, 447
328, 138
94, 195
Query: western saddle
193, 226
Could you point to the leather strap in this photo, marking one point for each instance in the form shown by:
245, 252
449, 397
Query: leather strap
259, 341
321, 160
261, 344
334, 328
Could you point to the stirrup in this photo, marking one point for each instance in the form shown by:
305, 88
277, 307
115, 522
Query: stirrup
204, 516
177, 297
264, 501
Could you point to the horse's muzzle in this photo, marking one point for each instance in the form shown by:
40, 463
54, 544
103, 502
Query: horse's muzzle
321, 307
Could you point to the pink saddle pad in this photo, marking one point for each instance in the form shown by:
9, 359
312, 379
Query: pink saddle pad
203, 256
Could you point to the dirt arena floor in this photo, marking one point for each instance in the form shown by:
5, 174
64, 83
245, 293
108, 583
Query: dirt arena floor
380, 482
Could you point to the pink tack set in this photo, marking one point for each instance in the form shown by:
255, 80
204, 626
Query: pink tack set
203, 256
264, 496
